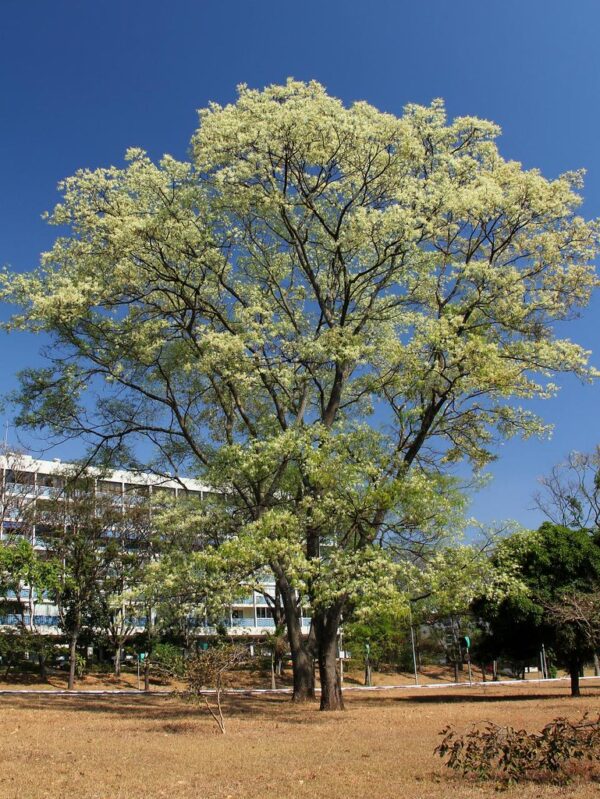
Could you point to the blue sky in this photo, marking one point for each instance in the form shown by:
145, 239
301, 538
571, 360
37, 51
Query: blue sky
82, 81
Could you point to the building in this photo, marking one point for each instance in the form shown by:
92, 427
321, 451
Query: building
25, 480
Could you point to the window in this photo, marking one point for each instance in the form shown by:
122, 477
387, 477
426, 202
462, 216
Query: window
49, 480
19, 478
264, 613
109, 487
136, 490
165, 491
213, 496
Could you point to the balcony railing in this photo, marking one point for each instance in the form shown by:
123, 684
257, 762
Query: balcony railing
23, 595
244, 622
13, 619
265, 622
47, 621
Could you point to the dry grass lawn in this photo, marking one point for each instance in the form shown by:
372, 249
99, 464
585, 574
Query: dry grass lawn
115, 747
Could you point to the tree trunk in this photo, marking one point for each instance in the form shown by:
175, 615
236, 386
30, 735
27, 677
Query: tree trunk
596, 666
9, 662
273, 682
72, 660
149, 646
300, 648
303, 672
42, 665
326, 628
574, 670
117, 660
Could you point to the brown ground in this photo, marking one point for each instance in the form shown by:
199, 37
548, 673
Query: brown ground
153, 746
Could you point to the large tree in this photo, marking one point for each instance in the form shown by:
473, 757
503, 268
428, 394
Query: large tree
320, 310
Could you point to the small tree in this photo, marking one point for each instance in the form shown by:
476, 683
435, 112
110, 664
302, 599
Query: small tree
26, 576
78, 525
135, 543
277, 644
208, 675
576, 614
167, 662
179, 580
579, 610
380, 636
442, 589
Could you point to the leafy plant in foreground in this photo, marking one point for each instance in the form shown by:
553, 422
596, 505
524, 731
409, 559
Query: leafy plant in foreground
494, 752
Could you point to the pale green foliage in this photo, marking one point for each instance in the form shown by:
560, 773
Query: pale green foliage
454, 576
315, 312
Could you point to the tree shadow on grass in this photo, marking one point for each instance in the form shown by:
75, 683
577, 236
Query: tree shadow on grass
474, 698
470, 698
165, 708
172, 715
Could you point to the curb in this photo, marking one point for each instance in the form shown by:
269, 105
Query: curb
265, 691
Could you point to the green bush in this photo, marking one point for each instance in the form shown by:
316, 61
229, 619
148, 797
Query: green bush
167, 661
387, 637
80, 666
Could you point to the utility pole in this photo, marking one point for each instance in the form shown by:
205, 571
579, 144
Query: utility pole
412, 641
467, 642
368, 681
544, 662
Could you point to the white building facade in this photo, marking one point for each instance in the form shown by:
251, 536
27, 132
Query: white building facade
25, 480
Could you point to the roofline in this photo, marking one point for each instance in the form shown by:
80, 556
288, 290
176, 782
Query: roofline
26, 463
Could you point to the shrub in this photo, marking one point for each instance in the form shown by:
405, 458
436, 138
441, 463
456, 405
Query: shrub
80, 666
207, 675
166, 662
493, 752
